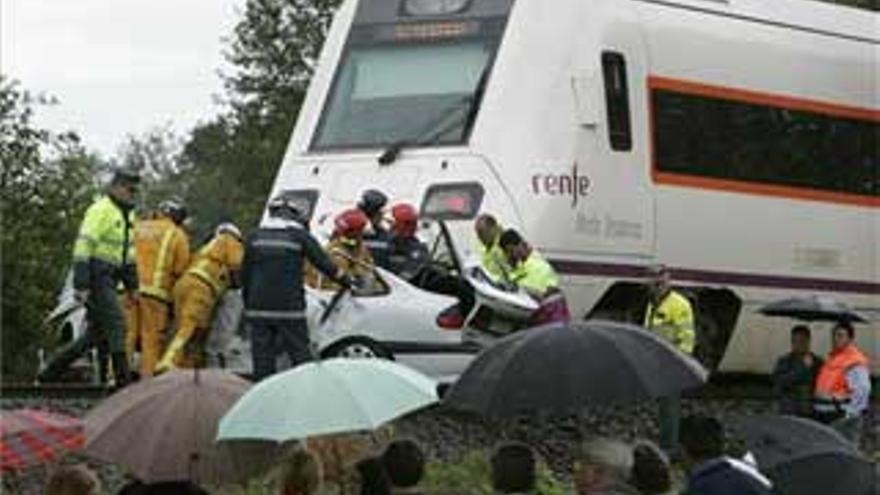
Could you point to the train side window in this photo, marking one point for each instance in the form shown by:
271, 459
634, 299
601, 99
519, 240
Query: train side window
617, 101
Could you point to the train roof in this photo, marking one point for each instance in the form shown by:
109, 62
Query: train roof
819, 17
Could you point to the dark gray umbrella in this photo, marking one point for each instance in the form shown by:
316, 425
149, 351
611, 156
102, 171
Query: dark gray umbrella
804, 457
812, 308
562, 368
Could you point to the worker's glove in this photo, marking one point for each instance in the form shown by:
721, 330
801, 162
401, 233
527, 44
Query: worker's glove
81, 295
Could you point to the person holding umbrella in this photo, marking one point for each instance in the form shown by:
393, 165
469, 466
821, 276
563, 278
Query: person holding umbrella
794, 375
669, 314
843, 387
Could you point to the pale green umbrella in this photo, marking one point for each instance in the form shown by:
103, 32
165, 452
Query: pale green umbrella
326, 397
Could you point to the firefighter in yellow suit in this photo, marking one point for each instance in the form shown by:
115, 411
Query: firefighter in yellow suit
162, 257
348, 251
214, 269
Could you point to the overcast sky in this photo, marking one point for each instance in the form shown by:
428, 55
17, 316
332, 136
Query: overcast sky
118, 66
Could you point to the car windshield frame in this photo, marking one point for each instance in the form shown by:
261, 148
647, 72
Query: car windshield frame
437, 116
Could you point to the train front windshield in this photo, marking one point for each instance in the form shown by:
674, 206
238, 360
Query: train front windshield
418, 83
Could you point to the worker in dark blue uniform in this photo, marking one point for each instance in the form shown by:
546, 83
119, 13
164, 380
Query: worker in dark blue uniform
272, 281
377, 237
406, 254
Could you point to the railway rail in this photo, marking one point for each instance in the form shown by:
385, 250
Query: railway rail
750, 387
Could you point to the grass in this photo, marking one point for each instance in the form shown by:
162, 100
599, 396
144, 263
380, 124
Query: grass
469, 475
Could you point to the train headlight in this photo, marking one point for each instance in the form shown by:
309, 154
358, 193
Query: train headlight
434, 7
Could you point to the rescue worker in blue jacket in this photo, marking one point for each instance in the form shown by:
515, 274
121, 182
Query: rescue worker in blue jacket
377, 237
103, 257
272, 282
406, 254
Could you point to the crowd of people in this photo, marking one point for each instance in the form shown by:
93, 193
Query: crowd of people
601, 466
144, 289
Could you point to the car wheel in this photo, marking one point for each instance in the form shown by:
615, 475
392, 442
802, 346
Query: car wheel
358, 348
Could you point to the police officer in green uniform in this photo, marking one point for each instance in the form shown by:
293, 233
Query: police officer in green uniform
669, 314
103, 257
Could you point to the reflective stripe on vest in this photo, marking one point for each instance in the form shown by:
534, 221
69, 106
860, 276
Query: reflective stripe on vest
203, 275
156, 289
278, 243
376, 244
264, 313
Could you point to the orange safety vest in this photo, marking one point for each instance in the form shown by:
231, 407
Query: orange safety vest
831, 383
162, 256
216, 261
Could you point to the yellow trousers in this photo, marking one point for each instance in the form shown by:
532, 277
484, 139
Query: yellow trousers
194, 304
130, 310
153, 321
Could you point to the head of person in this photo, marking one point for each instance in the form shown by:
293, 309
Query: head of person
404, 463
372, 476
515, 248
72, 480
658, 280
123, 186
174, 209
230, 229
488, 230
800, 340
371, 204
651, 473
513, 468
286, 208
406, 220
842, 335
349, 227
601, 463
301, 474
701, 438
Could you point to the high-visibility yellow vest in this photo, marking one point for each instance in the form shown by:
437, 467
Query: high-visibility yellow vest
162, 256
103, 235
217, 260
535, 275
673, 319
494, 261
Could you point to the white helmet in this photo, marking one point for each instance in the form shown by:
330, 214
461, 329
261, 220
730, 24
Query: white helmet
228, 228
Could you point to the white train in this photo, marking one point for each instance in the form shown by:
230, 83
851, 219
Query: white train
736, 141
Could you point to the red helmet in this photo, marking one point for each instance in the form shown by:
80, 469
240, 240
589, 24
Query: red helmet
406, 220
350, 223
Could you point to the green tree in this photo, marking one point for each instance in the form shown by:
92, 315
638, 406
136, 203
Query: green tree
156, 154
47, 181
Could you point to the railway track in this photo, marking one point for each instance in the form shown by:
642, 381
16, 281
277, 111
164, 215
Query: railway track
722, 387
53, 391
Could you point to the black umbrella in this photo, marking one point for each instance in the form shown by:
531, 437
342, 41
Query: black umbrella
803, 457
812, 308
562, 368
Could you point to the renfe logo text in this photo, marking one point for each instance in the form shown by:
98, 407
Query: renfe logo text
571, 185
